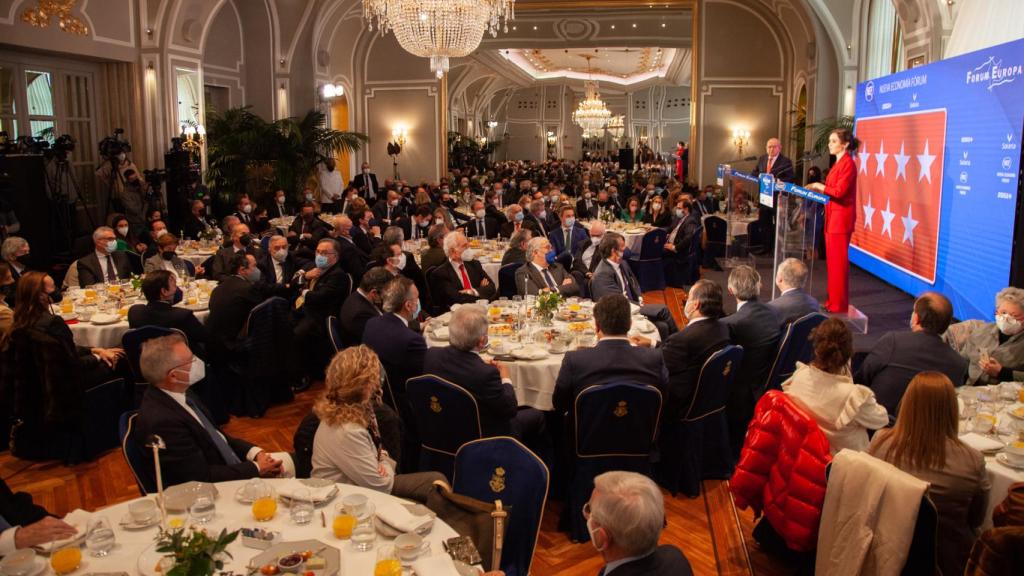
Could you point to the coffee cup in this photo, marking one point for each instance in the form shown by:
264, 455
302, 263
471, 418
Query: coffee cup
983, 423
408, 547
1015, 451
142, 511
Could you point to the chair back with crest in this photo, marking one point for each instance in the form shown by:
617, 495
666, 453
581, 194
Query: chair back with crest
446, 415
794, 346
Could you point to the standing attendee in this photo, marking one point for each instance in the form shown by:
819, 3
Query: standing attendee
682, 161
331, 186
793, 301
105, 263
777, 164
366, 183
840, 215
925, 443
686, 351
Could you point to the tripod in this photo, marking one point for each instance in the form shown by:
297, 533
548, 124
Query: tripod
61, 184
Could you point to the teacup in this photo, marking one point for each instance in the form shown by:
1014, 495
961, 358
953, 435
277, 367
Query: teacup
1015, 452
408, 547
557, 347
20, 562
142, 511
1008, 390
983, 423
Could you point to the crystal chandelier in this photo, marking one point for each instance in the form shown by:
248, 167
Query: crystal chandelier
591, 115
439, 29
617, 126
40, 15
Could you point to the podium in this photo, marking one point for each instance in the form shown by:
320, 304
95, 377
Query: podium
738, 212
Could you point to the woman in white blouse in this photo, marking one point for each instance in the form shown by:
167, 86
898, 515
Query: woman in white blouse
824, 388
347, 446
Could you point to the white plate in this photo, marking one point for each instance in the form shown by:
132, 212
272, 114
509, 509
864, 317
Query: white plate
38, 565
148, 561
530, 353
636, 230
1005, 461
441, 334
1014, 413
102, 319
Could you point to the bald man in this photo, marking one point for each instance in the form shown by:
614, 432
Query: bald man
773, 162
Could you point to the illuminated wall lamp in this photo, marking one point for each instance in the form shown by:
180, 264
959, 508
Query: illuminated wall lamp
330, 91
740, 138
400, 134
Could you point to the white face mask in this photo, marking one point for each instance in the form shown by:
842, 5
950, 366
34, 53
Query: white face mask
689, 311
591, 532
468, 255
122, 230
1007, 324
438, 221
399, 261
281, 255
196, 371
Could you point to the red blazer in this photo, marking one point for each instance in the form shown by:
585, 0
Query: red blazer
841, 187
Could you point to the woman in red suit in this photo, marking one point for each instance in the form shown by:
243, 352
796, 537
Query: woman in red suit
681, 160
840, 215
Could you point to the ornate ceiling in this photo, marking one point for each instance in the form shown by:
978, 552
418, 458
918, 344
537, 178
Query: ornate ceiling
620, 65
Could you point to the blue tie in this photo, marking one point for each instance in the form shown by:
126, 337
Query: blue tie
4, 524
226, 452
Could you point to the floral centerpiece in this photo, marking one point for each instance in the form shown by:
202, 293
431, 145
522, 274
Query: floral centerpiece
136, 280
607, 216
194, 552
546, 305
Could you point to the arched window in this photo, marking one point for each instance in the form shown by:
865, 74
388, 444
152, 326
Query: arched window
884, 40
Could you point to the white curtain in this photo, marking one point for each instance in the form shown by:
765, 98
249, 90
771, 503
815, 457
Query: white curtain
983, 23
881, 29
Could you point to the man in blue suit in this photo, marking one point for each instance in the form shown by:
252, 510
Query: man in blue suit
793, 302
568, 237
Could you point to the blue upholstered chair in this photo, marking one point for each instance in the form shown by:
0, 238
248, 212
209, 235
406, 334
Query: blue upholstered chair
507, 280
133, 453
266, 376
684, 270
446, 415
648, 267
334, 333
794, 346
500, 468
696, 447
717, 231
133, 339
614, 428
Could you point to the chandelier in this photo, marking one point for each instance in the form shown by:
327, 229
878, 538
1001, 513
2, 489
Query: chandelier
40, 15
439, 29
617, 126
592, 115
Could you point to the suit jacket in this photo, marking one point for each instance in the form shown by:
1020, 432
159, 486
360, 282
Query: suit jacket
494, 212
268, 272
326, 294
276, 210
221, 265
90, 272
230, 304
432, 257
317, 229
606, 281
685, 353
194, 227
513, 255
156, 262
167, 316
841, 188
662, 219
356, 312
361, 183
489, 231
509, 228
17, 507
401, 349
380, 211
557, 239
495, 399
666, 560
684, 235
579, 265
541, 227
586, 209
898, 356
529, 280
352, 259
445, 285
792, 306
609, 361
191, 453
782, 169
755, 327
244, 218
362, 240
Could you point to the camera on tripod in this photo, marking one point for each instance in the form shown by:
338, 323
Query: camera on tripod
113, 146
59, 149
155, 177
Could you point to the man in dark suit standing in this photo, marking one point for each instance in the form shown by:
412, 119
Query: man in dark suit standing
482, 225
362, 305
540, 273
366, 183
160, 288
899, 356
196, 449
755, 327
104, 263
775, 163
686, 351
613, 276
793, 302
230, 304
461, 280
23, 524
625, 517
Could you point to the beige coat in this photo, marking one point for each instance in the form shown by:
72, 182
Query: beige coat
970, 337
868, 519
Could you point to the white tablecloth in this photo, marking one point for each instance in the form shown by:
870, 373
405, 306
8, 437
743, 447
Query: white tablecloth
534, 380
634, 240
233, 515
198, 257
999, 475
109, 335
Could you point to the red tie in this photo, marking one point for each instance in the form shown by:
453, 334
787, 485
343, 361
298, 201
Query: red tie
771, 162
465, 279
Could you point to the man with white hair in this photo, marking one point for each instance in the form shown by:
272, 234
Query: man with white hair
16, 252
462, 280
625, 517
775, 163
278, 268
586, 258
793, 302
105, 263
754, 327
542, 272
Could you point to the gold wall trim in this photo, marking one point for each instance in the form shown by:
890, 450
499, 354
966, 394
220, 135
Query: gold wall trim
598, 4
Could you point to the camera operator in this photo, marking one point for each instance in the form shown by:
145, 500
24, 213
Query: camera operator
133, 199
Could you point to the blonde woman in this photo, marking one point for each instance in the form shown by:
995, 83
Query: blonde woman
347, 446
924, 443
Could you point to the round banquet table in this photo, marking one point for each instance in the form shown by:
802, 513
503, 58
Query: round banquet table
197, 257
232, 515
534, 380
1000, 475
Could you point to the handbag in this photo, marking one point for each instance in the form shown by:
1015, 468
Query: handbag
482, 522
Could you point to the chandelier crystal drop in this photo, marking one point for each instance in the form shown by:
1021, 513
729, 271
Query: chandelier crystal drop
592, 115
439, 29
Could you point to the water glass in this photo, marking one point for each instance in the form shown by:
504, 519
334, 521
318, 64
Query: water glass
364, 535
301, 510
203, 509
99, 537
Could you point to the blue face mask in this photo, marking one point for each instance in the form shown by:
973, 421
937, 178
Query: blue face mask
569, 222
550, 256
321, 261
520, 216
419, 309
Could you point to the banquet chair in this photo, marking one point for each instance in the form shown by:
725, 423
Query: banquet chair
696, 447
131, 343
435, 306
500, 468
265, 241
208, 267
133, 453
795, 345
446, 416
507, 280
334, 333
716, 232
755, 237
648, 266
266, 342
614, 427
684, 269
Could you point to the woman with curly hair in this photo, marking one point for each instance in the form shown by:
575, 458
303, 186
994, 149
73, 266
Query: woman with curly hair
347, 446
825, 389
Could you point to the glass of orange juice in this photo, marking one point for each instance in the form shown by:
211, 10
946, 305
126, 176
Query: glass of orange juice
66, 560
344, 522
90, 293
388, 563
264, 503
67, 306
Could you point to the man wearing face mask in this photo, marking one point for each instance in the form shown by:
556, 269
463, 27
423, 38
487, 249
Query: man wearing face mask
280, 209
388, 210
995, 350
104, 263
160, 288
567, 237
241, 242
585, 259
538, 216
196, 449
399, 262
363, 304
327, 285
244, 210
462, 279
586, 206
613, 276
16, 252
307, 230
542, 272
331, 185
366, 183
482, 225
278, 269
195, 224
166, 258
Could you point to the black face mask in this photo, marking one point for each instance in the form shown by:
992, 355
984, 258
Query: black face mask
168, 255
56, 296
244, 240
24, 259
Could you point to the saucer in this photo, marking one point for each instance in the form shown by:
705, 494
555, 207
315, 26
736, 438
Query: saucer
1003, 459
128, 523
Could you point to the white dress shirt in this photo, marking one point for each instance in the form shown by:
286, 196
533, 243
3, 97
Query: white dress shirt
331, 185
179, 397
103, 264
278, 271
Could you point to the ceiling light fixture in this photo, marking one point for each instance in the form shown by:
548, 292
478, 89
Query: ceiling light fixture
592, 114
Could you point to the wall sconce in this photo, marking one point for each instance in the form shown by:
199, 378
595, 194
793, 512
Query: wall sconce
740, 138
330, 91
482, 141
400, 134
551, 138
492, 124
193, 137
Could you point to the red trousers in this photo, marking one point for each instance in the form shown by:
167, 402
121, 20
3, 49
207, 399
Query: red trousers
837, 257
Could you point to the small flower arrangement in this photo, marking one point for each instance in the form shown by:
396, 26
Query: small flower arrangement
136, 280
547, 304
606, 216
195, 553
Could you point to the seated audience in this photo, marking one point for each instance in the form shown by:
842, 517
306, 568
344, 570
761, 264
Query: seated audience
516, 253
416, 228
633, 213
241, 242
462, 280
166, 258
391, 336
898, 356
686, 351
230, 304
327, 288
625, 517
195, 225
281, 207
24, 524
482, 225
279, 270
307, 230
824, 388
390, 254
347, 447
567, 237
434, 255
925, 443
105, 263
793, 302
612, 275
586, 206
160, 288
542, 272
196, 449
586, 257
659, 216
127, 240
680, 234
994, 350
16, 252
362, 305
516, 221
363, 234
351, 258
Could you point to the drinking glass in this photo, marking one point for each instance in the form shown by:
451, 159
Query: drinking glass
301, 510
364, 535
343, 523
99, 537
388, 563
66, 559
264, 504
203, 508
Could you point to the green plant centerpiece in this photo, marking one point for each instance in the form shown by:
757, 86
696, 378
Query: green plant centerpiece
546, 305
195, 553
136, 280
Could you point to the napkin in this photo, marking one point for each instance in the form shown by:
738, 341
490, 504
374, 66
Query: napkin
292, 486
440, 565
80, 520
981, 443
397, 516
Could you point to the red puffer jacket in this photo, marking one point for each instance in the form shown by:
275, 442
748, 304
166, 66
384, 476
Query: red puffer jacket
782, 470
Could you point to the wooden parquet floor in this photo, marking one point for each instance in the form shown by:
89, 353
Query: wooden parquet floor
713, 535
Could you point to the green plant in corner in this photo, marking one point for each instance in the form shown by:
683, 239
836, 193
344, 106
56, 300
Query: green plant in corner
825, 127
195, 552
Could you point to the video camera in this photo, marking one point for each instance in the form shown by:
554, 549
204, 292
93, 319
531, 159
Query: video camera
155, 177
114, 145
